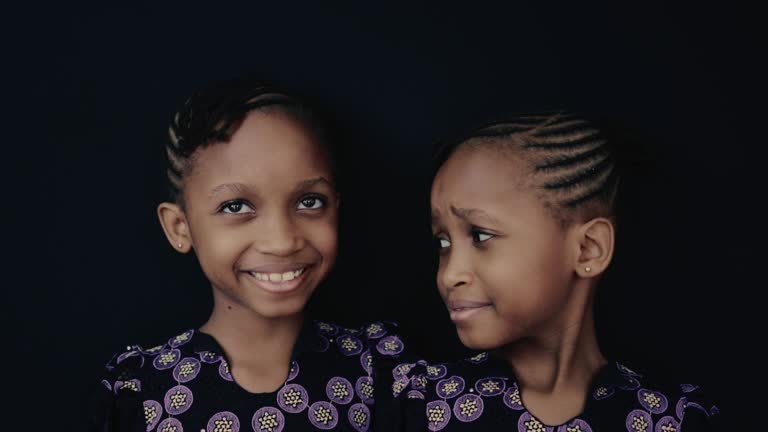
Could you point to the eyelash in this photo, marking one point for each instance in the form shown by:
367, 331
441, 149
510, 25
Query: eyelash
227, 205
322, 199
475, 233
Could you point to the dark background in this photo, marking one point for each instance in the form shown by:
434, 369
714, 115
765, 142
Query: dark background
92, 87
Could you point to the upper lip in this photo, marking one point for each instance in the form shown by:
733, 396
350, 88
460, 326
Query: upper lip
466, 304
278, 268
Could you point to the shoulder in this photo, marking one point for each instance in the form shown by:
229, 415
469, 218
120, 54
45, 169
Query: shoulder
132, 375
699, 411
422, 379
130, 368
666, 403
430, 394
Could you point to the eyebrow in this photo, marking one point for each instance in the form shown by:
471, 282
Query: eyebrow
306, 184
240, 188
466, 214
233, 187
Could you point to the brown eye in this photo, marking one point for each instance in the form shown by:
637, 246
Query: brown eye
235, 207
311, 203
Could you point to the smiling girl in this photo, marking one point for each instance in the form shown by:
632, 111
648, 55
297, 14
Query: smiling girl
254, 197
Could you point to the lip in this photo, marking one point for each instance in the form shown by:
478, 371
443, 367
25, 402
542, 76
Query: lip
282, 287
462, 310
278, 268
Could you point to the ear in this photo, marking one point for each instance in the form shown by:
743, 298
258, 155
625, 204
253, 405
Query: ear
175, 226
596, 242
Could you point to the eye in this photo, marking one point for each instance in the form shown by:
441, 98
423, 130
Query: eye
479, 236
311, 203
442, 243
236, 207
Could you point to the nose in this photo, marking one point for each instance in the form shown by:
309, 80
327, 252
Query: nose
454, 271
279, 235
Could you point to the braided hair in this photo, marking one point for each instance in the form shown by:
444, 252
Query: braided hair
574, 161
214, 113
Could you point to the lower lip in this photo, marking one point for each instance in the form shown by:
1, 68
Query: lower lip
464, 314
283, 287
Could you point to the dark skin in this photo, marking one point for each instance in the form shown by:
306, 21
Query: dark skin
516, 281
261, 214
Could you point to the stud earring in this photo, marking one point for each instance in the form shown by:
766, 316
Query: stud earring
586, 269
180, 245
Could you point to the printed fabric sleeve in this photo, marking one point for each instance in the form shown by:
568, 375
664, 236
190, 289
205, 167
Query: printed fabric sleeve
700, 414
115, 403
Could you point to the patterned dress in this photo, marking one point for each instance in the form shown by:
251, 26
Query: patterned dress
186, 385
481, 394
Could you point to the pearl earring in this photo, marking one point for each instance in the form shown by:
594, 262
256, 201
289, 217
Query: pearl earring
587, 269
180, 244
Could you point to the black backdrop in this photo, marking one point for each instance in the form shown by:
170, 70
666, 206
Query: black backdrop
94, 86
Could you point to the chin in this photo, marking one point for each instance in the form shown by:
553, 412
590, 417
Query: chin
473, 339
483, 339
279, 310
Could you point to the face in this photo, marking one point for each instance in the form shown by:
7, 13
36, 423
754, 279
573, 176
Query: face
504, 270
262, 215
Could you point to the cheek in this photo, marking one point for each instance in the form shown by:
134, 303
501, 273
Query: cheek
218, 250
322, 235
526, 286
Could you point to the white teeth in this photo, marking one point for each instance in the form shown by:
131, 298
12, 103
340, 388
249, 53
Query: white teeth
278, 277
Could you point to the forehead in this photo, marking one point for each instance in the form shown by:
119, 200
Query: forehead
480, 173
267, 146
496, 184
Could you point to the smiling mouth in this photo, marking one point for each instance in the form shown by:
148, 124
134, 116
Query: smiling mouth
278, 277
279, 280
462, 310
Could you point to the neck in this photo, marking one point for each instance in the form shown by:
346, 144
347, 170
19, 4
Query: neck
250, 339
562, 358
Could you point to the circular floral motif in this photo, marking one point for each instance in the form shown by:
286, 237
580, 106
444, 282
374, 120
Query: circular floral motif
639, 421
339, 390
364, 389
653, 401
167, 359
491, 386
178, 399
450, 387
323, 415
468, 407
390, 345
512, 398
359, 417
224, 421
186, 370
438, 415
268, 419
153, 411
293, 398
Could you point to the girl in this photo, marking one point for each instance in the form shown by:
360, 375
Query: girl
255, 197
523, 214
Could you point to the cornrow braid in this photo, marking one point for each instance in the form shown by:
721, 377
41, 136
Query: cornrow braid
573, 162
214, 113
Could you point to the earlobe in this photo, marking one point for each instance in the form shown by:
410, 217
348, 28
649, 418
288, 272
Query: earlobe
174, 224
596, 239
